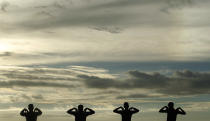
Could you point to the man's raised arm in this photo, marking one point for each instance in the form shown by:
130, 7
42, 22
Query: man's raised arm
38, 111
134, 110
163, 109
89, 111
118, 110
23, 112
180, 111
72, 111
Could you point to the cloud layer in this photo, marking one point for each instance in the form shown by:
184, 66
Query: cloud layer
97, 30
77, 79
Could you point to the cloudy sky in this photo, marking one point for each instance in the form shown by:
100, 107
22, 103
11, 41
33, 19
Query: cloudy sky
99, 53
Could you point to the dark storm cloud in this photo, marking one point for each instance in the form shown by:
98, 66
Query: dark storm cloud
181, 83
137, 80
200, 81
97, 82
144, 80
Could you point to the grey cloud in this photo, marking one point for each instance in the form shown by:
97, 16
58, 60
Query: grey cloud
176, 4
90, 15
199, 81
181, 83
45, 13
134, 96
41, 74
26, 98
73, 19
140, 79
101, 15
35, 77
97, 82
19, 83
4, 6
137, 80
58, 5
43, 54
39, 96
55, 4
5, 54
41, 77
114, 30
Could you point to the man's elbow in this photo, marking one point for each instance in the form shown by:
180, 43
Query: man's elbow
69, 112
22, 114
160, 111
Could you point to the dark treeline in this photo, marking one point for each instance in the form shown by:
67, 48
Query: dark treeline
80, 113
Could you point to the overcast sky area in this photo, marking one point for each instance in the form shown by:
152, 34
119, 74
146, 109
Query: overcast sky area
100, 53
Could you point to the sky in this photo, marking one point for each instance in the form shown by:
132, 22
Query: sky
58, 54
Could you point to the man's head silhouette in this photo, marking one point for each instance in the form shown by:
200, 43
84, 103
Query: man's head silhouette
126, 105
30, 107
171, 105
80, 107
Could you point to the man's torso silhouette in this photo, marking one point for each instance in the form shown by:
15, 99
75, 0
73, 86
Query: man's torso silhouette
126, 112
80, 113
171, 115
31, 116
80, 116
171, 112
126, 115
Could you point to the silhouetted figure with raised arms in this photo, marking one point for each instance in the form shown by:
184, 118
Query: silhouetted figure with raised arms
80, 113
126, 112
171, 112
31, 113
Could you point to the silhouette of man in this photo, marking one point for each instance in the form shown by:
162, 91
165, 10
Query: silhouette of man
126, 112
31, 113
171, 112
80, 114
